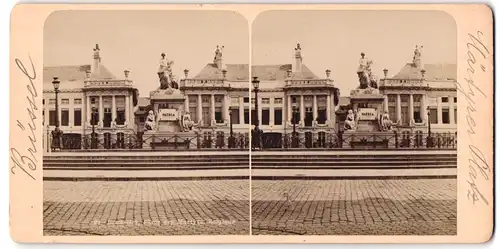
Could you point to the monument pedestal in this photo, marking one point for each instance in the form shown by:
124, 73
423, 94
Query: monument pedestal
172, 128
367, 131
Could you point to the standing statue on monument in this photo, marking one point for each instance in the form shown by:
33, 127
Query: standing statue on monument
165, 72
363, 63
362, 71
367, 79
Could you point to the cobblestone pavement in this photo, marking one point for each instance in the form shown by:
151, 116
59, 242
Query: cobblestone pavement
354, 207
146, 207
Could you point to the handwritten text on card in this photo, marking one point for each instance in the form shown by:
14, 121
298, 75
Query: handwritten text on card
25, 158
479, 169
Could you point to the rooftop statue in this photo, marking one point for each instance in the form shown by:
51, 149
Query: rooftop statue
298, 50
218, 53
417, 55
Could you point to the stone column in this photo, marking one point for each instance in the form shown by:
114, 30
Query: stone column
113, 108
101, 110
71, 116
227, 104
212, 107
302, 110
452, 109
386, 104
315, 107
439, 111
423, 109
259, 111
410, 109
127, 109
131, 112
289, 108
398, 107
271, 112
328, 108
199, 114
186, 104
88, 110
242, 110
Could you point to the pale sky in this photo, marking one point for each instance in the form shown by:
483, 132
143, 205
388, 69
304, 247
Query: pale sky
335, 40
134, 40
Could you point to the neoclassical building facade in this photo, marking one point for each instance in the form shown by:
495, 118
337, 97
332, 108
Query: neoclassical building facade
91, 100
293, 98
422, 94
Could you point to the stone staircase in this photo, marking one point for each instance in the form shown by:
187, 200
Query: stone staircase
129, 161
268, 160
361, 160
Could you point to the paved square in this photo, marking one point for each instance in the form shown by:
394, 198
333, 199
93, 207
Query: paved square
354, 207
209, 207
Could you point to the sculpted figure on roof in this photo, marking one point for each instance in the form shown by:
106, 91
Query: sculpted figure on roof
218, 53
417, 55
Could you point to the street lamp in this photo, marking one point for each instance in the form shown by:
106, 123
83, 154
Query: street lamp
56, 133
294, 123
255, 84
430, 142
231, 140
93, 119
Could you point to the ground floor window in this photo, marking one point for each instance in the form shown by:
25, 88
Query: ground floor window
278, 116
265, 116
246, 116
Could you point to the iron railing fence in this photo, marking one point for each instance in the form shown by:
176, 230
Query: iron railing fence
347, 140
264, 141
133, 141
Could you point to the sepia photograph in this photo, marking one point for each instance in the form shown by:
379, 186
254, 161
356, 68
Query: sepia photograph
354, 123
146, 124
251, 123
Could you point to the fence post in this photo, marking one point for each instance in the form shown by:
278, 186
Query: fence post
198, 140
396, 142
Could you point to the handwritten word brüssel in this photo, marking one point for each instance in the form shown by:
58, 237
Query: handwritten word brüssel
25, 159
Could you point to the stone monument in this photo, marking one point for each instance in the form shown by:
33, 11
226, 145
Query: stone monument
367, 116
168, 119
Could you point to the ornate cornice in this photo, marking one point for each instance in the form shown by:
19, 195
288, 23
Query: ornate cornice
416, 88
75, 90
